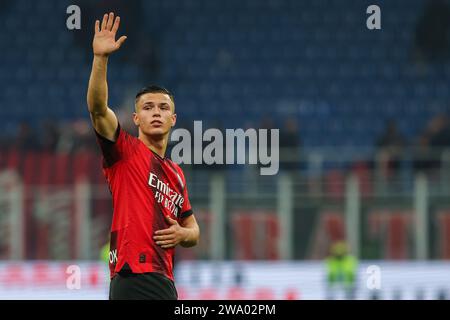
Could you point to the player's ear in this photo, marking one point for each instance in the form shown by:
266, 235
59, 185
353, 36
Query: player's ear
136, 118
174, 119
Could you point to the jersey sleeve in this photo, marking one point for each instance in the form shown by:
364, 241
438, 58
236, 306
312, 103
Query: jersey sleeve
186, 209
115, 151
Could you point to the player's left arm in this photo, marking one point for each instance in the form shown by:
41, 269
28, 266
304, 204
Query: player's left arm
192, 231
186, 233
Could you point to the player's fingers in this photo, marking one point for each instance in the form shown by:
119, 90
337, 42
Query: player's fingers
168, 246
97, 26
116, 24
110, 21
165, 237
164, 232
104, 21
121, 41
164, 243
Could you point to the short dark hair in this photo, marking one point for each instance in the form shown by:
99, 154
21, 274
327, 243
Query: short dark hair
154, 89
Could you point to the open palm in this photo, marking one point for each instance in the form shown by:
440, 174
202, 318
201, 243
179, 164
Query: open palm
104, 42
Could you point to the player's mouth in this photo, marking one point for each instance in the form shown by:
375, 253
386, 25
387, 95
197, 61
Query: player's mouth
156, 123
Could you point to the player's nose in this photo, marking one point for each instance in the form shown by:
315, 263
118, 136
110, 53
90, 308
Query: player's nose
156, 112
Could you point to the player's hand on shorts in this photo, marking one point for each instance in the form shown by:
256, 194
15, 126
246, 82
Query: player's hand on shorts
104, 42
170, 237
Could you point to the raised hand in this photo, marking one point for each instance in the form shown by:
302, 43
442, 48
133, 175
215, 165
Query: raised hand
104, 42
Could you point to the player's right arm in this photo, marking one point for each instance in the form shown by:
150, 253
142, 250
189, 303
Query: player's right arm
103, 118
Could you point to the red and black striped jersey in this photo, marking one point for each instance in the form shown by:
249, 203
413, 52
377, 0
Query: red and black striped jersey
145, 187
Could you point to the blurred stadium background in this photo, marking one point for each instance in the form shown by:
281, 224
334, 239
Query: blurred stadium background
364, 138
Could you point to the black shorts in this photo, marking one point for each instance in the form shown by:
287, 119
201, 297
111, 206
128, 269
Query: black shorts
142, 286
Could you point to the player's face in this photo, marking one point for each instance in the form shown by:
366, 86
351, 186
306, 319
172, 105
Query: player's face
155, 114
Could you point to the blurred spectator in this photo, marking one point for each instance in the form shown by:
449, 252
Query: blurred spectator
104, 253
76, 136
432, 32
26, 138
440, 133
5, 141
290, 146
431, 144
341, 269
66, 138
83, 135
390, 147
50, 136
422, 159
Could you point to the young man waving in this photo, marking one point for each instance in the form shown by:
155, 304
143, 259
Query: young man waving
152, 212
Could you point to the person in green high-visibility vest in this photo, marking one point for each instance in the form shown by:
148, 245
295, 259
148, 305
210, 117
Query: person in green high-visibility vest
104, 253
341, 268
104, 258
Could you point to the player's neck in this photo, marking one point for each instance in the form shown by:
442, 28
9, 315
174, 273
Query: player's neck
157, 144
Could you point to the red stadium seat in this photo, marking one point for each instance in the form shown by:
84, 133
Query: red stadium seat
329, 229
443, 224
392, 228
255, 235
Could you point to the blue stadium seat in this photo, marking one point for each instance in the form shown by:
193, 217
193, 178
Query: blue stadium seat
234, 57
